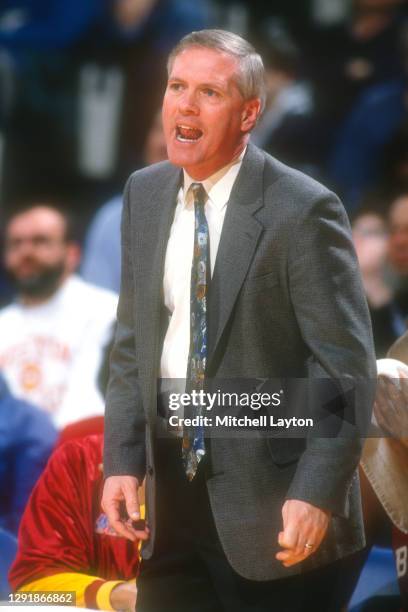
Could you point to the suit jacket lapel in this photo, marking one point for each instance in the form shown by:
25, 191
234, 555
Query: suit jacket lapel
239, 238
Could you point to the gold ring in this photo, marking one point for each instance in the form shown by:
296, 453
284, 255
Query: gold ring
308, 545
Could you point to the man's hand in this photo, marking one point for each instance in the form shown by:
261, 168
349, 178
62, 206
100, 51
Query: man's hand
390, 405
120, 502
302, 524
123, 596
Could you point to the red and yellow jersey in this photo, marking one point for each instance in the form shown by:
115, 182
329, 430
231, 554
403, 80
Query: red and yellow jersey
65, 543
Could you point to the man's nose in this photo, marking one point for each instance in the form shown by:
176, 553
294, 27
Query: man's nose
188, 104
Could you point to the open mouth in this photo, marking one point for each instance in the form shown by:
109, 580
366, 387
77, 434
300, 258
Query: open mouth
185, 133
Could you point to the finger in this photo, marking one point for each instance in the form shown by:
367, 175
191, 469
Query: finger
291, 556
382, 385
383, 389
112, 512
111, 509
313, 535
380, 394
293, 561
285, 513
295, 556
286, 555
393, 389
403, 372
124, 530
305, 538
142, 533
289, 537
383, 421
315, 538
132, 502
287, 558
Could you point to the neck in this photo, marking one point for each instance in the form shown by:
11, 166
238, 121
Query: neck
203, 174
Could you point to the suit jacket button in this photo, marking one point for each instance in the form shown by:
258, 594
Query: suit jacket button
150, 470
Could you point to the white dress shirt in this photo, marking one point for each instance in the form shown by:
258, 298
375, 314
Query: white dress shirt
179, 255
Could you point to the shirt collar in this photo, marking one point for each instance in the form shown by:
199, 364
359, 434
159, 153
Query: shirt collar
219, 185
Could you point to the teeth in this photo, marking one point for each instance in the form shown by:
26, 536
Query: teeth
181, 139
186, 133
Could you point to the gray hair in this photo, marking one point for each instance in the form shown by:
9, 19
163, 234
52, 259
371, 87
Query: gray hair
251, 72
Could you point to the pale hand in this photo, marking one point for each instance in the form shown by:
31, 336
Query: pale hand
303, 524
123, 596
120, 502
390, 405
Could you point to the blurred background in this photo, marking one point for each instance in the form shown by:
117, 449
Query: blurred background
81, 84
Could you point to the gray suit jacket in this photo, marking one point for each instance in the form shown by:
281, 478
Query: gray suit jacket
286, 300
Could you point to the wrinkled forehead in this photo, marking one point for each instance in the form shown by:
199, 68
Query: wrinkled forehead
197, 59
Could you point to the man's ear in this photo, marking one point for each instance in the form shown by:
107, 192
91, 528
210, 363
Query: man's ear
73, 257
250, 114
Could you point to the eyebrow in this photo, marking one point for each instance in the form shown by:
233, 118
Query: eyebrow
209, 84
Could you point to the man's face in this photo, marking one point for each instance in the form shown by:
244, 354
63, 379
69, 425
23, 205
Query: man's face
398, 243
36, 252
206, 121
370, 239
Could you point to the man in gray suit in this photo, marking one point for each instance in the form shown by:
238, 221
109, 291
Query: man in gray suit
251, 521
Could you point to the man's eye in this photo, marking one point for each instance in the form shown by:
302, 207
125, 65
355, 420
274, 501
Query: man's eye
175, 86
210, 92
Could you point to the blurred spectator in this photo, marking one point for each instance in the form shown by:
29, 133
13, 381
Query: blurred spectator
79, 66
65, 542
101, 261
285, 127
384, 462
127, 49
44, 25
52, 338
344, 60
27, 437
170, 20
370, 237
356, 161
398, 249
395, 166
38, 39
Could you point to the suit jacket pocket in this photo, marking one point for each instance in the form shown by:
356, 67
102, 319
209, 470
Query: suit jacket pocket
285, 450
254, 284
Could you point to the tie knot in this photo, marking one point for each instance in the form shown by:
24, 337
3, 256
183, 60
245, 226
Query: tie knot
199, 193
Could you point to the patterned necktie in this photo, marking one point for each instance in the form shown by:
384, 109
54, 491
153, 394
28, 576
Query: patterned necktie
193, 448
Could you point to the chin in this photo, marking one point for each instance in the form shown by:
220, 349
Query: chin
181, 158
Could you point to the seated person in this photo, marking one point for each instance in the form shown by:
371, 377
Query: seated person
52, 337
384, 462
65, 543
